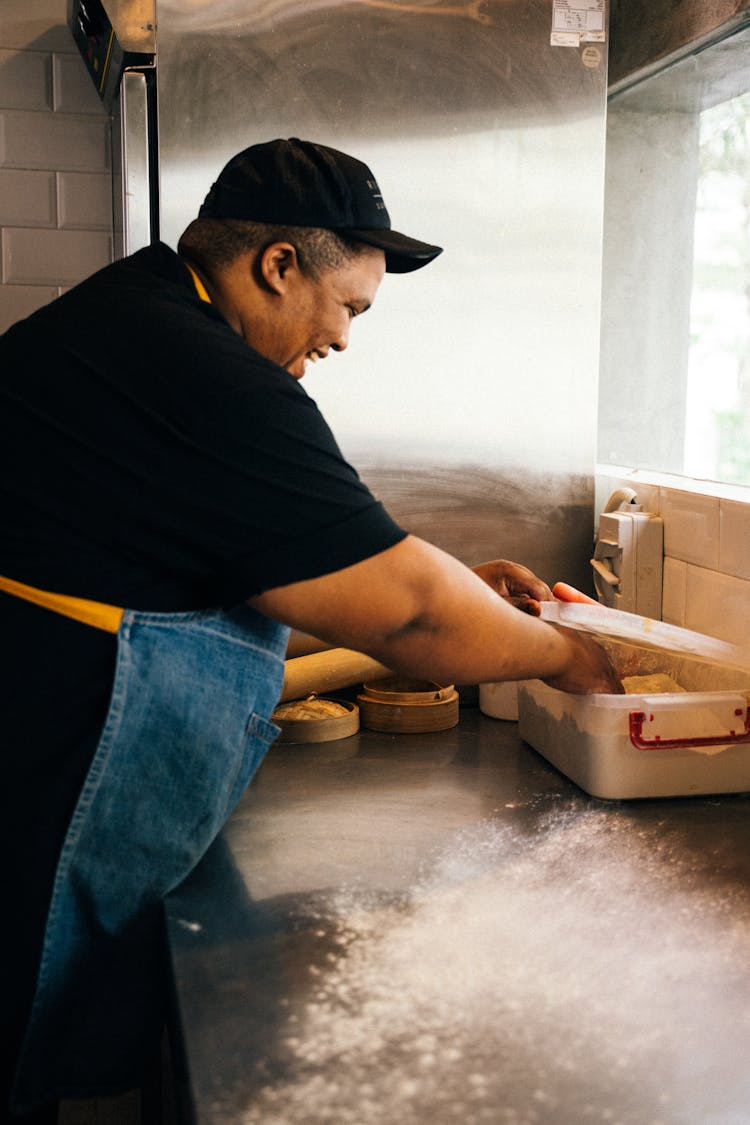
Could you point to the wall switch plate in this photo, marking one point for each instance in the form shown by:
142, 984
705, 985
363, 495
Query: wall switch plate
628, 561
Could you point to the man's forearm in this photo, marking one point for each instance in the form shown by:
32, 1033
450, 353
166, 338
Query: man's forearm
421, 612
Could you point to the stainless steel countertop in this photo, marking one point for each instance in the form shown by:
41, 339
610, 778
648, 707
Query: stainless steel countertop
440, 928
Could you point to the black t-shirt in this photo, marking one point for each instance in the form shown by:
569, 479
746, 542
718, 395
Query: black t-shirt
149, 458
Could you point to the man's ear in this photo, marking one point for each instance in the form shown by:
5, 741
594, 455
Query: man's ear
277, 265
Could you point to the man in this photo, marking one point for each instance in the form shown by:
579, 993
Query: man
173, 500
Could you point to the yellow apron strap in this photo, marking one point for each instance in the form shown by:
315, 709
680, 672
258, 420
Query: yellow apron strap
199, 286
96, 614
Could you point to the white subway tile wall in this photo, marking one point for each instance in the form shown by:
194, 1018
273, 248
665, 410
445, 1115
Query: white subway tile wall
60, 141
718, 605
55, 161
36, 257
35, 25
674, 587
84, 201
691, 527
734, 539
18, 301
27, 199
25, 80
706, 580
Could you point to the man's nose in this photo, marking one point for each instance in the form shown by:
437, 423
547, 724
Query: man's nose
341, 343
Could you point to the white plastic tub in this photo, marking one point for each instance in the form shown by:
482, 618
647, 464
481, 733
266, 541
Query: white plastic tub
628, 746
499, 700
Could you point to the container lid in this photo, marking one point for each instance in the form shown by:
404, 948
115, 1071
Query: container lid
644, 632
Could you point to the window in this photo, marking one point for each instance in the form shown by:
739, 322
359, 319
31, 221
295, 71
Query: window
675, 352
717, 425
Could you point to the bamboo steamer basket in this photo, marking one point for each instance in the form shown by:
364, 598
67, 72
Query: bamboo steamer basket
397, 705
312, 720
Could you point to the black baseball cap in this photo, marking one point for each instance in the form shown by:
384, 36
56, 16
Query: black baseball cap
298, 183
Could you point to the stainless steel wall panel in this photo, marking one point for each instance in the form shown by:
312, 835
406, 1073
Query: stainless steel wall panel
485, 139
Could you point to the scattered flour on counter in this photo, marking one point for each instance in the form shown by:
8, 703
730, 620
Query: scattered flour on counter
559, 978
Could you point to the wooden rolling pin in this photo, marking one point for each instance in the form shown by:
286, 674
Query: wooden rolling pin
326, 671
302, 644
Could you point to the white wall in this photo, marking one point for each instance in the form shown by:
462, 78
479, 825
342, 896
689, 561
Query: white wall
55, 173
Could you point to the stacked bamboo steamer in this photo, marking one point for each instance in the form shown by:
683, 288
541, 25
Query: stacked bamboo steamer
398, 705
386, 702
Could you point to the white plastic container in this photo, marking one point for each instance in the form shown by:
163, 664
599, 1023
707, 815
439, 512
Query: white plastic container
629, 746
499, 700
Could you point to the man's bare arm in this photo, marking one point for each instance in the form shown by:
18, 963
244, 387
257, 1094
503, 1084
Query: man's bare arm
421, 612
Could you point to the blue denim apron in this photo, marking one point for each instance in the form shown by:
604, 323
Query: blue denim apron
187, 727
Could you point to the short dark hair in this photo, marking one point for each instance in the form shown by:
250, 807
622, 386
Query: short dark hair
217, 242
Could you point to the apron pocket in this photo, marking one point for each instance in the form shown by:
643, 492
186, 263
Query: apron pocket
260, 734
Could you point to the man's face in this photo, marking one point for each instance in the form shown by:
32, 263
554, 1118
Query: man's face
315, 315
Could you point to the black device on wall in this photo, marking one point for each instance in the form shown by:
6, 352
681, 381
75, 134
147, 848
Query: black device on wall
122, 64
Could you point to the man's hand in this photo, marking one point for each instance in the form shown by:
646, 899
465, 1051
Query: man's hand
517, 584
590, 668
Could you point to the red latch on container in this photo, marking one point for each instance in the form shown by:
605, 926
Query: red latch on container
638, 718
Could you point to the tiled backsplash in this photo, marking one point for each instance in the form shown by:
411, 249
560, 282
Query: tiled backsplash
55, 172
706, 582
